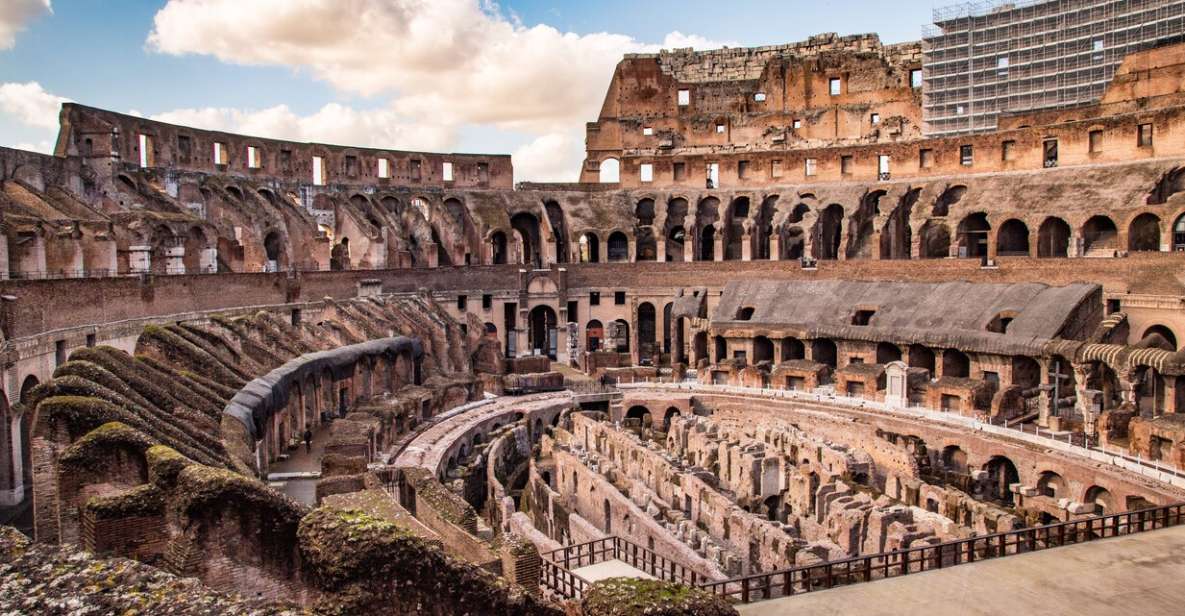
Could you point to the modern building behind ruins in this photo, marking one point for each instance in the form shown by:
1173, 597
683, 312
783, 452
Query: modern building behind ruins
808, 323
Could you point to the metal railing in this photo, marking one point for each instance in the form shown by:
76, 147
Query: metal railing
558, 564
799, 580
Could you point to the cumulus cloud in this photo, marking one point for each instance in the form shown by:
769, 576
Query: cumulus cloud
554, 157
334, 123
15, 15
30, 104
442, 62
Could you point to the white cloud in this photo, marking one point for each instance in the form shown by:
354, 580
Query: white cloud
15, 15
447, 62
30, 104
334, 124
554, 157
44, 146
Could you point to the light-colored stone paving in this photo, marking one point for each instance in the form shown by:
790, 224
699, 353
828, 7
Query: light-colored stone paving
1137, 574
610, 569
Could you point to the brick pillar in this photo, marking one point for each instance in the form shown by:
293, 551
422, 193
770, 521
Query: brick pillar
718, 244
775, 247
747, 247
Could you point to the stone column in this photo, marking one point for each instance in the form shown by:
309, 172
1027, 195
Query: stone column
718, 245
747, 247
775, 247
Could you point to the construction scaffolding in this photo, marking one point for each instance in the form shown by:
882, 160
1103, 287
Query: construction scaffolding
984, 58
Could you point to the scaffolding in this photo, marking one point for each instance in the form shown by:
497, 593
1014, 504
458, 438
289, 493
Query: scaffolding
984, 58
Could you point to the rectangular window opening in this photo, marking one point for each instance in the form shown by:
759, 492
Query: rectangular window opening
915, 78
925, 158
647, 130
742, 169
462, 302
220, 155
1144, 139
684, 98
966, 155
619, 298
1008, 150
253, 161
1096, 141
845, 164
835, 86
775, 169
446, 172
318, 171
145, 151
680, 171
594, 298
487, 301
809, 167
646, 172
384, 168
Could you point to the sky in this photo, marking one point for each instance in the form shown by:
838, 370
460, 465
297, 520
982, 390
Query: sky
516, 76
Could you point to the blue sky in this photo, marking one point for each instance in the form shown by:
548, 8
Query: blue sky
98, 53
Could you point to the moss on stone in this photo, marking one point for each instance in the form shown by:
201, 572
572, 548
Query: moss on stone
637, 597
89, 450
164, 464
141, 501
202, 490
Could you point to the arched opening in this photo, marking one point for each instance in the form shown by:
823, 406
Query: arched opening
887, 352
921, 357
1101, 498
590, 248
1149, 391
618, 247
1143, 235
973, 235
860, 226
339, 255
955, 363
721, 348
1099, 236
1012, 240
623, 336
594, 333
954, 459
670, 414
498, 248
699, 345
647, 334
824, 351
792, 348
1001, 475
610, 172
273, 247
1179, 234
673, 229
707, 213
793, 241
646, 248
935, 240
763, 350
1159, 337
638, 412
763, 228
1026, 372
1053, 238
734, 230
827, 232
526, 226
707, 243
1051, 484
443, 258
666, 327
949, 197
644, 212
559, 229
542, 332
896, 235
195, 245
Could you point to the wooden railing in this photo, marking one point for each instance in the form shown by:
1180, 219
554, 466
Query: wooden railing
860, 569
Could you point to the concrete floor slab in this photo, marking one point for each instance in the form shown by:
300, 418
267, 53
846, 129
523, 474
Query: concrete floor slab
1136, 574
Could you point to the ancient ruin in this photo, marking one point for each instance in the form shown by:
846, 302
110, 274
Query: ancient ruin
796, 327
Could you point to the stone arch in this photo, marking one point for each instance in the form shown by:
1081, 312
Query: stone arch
793, 242
457, 211
667, 321
955, 363
721, 346
1101, 498
921, 356
972, 234
674, 231
559, 229
589, 248
1159, 336
1026, 372
1012, 239
707, 213
609, 171
594, 335
954, 459
647, 330
617, 248
1001, 475
949, 197
861, 226
1099, 234
1178, 242
897, 235
623, 336
763, 349
1053, 238
526, 226
541, 332
887, 352
498, 248
824, 351
670, 414
763, 228
792, 348
935, 242
734, 228
828, 233
1052, 484
1143, 234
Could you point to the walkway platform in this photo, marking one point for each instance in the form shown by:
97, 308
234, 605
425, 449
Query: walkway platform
610, 569
1133, 574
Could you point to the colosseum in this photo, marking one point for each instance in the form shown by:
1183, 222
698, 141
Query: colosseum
822, 328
